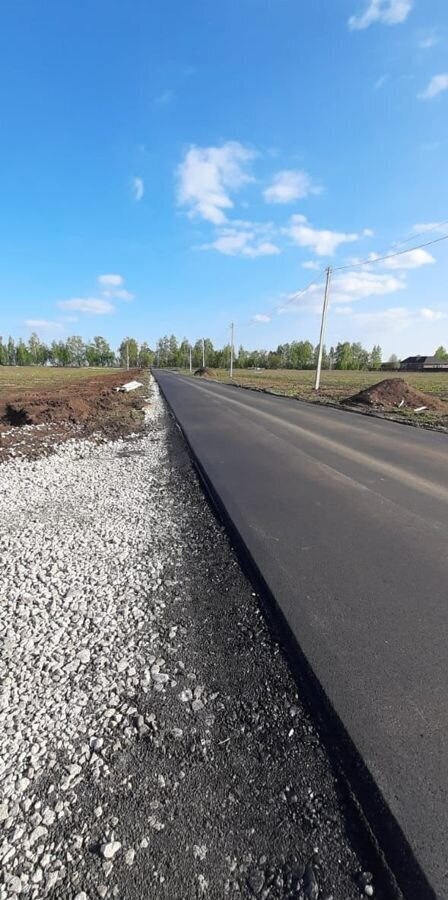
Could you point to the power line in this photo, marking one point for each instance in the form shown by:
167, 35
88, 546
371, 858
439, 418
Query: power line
377, 259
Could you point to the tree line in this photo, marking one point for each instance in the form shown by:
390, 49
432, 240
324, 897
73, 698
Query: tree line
74, 351
171, 353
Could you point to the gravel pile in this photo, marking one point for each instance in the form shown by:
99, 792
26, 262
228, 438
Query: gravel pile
152, 742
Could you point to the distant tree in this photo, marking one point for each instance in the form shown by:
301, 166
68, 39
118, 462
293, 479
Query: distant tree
76, 349
360, 357
99, 353
3, 353
38, 351
441, 354
128, 350
145, 356
59, 353
11, 351
23, 357
393, 361
375, 357
344, 356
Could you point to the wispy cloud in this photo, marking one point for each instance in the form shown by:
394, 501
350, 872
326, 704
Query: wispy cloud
387, 12
209, 175
242, 242
289, 185
93, 306
347, 288
437, 227
312, 265
262, 318
110, 280
44, 325
437, 85
164, 98
414, 259
138, 188
322, 241
397, 318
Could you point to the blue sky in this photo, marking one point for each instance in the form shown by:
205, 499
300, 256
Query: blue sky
176, 166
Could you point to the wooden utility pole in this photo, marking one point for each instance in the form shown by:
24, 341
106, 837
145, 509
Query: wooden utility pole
322, 328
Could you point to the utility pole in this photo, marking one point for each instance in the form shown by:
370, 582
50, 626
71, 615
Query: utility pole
322, 328
231, 349
191, 365
203, 353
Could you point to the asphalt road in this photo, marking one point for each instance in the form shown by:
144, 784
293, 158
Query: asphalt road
346, 519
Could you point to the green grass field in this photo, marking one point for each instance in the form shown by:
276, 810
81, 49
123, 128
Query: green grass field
335, 385
15, 379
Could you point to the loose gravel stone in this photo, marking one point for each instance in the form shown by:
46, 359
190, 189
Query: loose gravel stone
109, 850
143, 697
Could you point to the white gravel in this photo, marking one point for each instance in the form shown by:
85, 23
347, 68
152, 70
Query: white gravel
84, 537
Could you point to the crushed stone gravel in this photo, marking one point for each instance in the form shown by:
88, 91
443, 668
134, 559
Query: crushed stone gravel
152, 740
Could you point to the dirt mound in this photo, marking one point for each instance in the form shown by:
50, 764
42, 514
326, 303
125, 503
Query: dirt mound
89, 402
204, 371
395, 393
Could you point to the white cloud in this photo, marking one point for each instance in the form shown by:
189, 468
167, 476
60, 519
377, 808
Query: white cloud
388, 12
432, 315
44, 325
235, 242
311, 264
346, 288
289, 185
438, 227
436, 86
260, 317
397, 318
110, 280
208, 175
138, 188
413, 259
90, 305
322, 242
119, 294
368, 233
351, 286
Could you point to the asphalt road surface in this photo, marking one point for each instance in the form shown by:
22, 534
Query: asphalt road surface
346, 518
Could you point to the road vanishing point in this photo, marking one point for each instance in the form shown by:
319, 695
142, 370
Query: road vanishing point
345, 519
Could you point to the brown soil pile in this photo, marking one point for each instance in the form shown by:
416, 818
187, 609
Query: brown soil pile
395, 393
204, 371
90, 402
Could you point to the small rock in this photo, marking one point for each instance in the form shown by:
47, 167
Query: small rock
130, 856
109, 849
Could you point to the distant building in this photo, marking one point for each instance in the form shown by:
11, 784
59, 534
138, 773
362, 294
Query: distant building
423, 364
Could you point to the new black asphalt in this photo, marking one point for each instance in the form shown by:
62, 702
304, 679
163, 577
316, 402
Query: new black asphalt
345, 517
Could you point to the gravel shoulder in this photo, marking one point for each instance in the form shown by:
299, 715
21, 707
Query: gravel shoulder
153, 742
